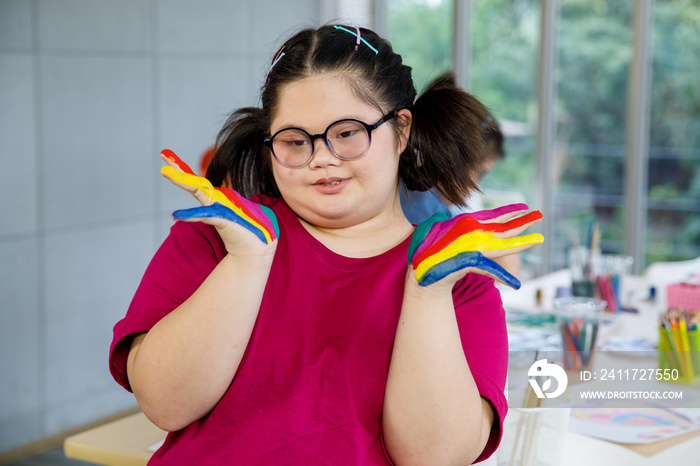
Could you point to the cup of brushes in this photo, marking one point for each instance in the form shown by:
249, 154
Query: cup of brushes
578, 319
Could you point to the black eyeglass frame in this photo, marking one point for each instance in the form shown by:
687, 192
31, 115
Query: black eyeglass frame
312, 137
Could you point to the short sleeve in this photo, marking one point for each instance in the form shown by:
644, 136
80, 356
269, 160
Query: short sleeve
482, 328
181, 264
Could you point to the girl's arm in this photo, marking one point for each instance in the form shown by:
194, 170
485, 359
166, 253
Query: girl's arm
433, 412
180, 369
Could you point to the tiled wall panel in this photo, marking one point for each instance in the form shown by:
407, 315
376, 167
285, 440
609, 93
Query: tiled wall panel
91, 91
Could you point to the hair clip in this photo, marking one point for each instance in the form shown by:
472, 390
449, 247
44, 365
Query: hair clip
279, 55
484, 124
358, 38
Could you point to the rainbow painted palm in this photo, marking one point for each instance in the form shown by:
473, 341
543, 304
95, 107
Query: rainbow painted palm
227, 203
441, 246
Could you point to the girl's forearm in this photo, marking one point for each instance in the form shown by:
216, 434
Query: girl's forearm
182, 367
433, 412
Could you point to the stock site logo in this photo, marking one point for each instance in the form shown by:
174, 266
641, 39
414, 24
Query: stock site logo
550, 370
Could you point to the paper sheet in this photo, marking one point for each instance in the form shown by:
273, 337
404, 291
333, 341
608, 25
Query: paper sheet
634, 425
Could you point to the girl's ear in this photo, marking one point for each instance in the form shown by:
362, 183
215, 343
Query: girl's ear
404, 117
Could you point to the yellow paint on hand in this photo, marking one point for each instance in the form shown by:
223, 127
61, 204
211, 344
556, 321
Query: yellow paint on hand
204, 185
476, 240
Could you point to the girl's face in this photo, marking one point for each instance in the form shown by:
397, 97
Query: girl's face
362, 189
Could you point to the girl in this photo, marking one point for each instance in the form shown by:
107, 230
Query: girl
315, 324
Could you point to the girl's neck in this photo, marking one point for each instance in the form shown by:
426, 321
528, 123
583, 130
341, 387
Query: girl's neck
370, 238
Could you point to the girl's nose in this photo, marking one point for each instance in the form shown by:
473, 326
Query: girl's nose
322, 155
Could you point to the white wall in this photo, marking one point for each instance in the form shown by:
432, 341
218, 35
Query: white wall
90, 92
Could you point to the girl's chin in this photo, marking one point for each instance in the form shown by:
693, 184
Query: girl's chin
330, 215
332, 219
330, 207
340, 211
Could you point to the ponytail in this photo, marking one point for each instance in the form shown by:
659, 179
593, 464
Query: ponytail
446, 148
241, 160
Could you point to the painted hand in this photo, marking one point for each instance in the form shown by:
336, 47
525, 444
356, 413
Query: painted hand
220, 203
441, 246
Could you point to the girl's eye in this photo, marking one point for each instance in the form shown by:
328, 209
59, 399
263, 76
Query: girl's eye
346, 133
293, 140
346, 130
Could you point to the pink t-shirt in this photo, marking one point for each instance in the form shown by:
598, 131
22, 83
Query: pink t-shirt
310, 387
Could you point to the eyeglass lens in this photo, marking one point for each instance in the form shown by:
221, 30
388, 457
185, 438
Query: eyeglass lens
346, 139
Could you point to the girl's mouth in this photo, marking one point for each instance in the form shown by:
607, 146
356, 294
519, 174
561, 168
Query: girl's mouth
331, 185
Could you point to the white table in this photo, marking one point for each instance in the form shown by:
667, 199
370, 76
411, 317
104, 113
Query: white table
580, 450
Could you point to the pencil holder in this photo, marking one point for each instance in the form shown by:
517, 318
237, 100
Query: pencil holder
609, 270
581, 265
597, 275
679, 354
578, 319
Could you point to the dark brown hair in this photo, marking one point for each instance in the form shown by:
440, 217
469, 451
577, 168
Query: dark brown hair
446, 144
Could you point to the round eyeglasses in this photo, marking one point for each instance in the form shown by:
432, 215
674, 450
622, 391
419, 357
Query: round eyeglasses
347, 139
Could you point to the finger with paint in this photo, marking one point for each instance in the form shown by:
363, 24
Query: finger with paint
219, 202
441, 246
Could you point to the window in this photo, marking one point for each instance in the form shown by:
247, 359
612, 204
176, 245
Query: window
503, 70
421, 31
594, 53
674, 155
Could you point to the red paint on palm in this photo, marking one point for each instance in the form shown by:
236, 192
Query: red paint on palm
467, 224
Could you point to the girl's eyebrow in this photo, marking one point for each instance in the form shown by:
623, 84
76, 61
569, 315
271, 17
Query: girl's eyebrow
295, 125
